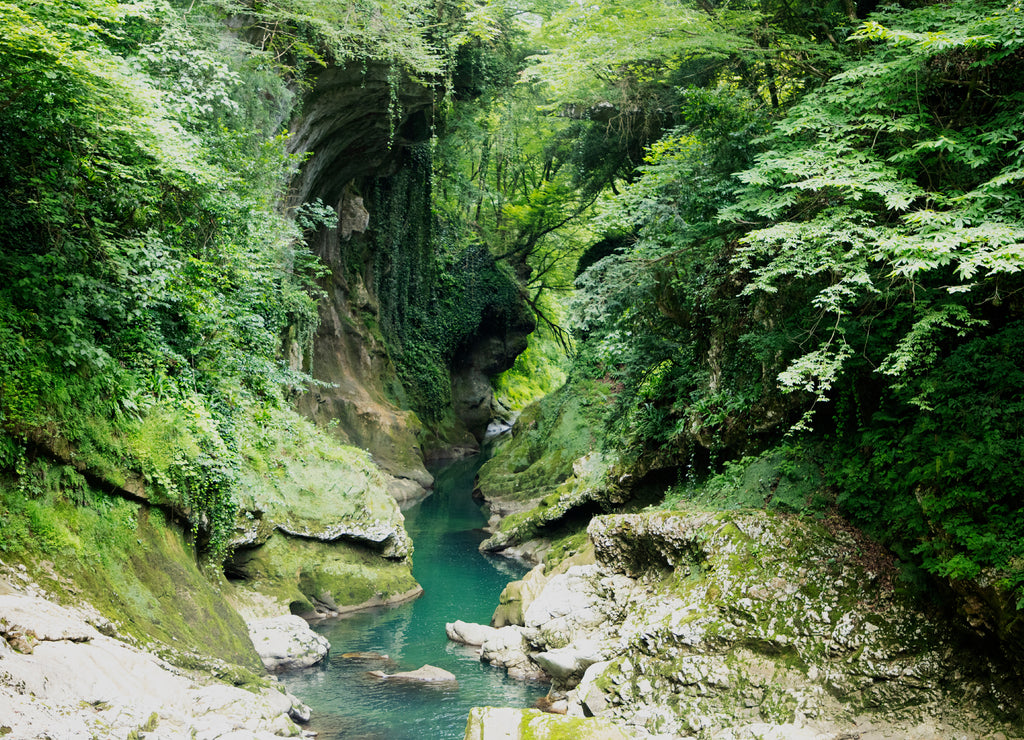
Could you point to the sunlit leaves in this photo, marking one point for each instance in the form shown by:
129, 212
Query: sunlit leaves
887, 175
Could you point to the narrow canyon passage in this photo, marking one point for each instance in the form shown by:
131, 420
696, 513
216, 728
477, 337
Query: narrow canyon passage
459, 583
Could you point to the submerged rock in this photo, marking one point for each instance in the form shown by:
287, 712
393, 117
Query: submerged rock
426, 674
287, 642
374, 657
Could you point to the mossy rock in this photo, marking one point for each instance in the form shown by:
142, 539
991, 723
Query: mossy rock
547, 439
532, 724
136, 567
297, 475
307, 577
565, 511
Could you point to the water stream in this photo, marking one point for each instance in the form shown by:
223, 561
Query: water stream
459, 583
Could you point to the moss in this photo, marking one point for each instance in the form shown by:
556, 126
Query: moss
302, 574
547, 439
136, 567
293, 472
566, 547
784, 478
537, 725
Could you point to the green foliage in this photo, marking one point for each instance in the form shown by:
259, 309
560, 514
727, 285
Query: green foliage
946, 476
538, 371
787, 478
836, 286
143, 264
505, 175
895, 183
437, 289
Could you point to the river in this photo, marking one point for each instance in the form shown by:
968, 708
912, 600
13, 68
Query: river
459, 583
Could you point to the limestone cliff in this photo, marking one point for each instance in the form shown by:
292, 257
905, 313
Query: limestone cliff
748, 624
394, 340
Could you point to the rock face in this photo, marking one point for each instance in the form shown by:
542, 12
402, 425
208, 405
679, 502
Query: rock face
347, 128
746, 624
321, 535
489, 354
287, 642
61, 677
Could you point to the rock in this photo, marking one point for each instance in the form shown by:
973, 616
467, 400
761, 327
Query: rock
287, 642
468, 633
517, 596
30, 621
589, 697
71, 687
425, 674
743, 624
507, 648
354, 218
300, 713
491, 723
317, 579
388, 537
319, 535
569, 605
493, 349
570, 661
375, 657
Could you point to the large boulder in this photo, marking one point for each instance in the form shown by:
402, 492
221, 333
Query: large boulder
517, 596
316, 579
61, 677
745, 624
287, 642
319, 533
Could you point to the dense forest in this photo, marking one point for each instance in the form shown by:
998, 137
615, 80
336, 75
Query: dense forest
768, 254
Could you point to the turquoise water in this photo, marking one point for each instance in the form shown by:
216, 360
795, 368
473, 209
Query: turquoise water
459, 583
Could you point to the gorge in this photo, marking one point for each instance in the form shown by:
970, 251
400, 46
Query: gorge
740, 280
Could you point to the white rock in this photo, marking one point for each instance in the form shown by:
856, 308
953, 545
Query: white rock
572, 660
469, 633
287, 642
426, 673
77, 683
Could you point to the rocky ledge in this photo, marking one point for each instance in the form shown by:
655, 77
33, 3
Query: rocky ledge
744, 624
65, 673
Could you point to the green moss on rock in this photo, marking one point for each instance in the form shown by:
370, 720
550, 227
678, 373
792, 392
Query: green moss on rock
134, 565
548, 438
532, 724
306, 576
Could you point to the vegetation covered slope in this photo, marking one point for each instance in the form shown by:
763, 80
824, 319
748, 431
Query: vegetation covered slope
156, 296
806, 295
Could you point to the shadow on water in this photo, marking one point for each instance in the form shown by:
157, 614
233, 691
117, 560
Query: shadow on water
458, 583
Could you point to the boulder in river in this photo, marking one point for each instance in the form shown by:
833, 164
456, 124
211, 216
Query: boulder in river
468, 633
287, 642
425, 674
